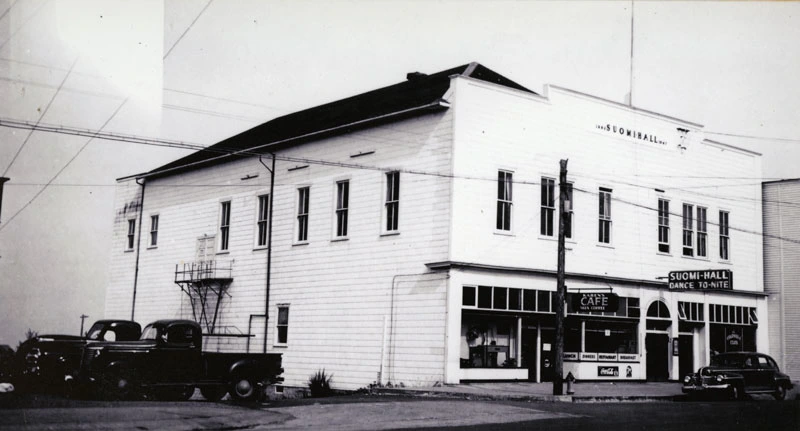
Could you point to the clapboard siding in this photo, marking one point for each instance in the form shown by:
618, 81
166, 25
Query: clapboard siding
339, 292
782, 272
529, 135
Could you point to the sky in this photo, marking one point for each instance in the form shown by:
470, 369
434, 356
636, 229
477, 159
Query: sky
199, 71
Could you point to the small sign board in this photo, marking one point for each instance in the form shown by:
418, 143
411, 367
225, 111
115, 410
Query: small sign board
607, 357
627, 357
588, 356
606, 371
570, 356
709, 279
595, 301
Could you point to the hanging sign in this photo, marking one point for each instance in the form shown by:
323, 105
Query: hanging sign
709, 279
595, 301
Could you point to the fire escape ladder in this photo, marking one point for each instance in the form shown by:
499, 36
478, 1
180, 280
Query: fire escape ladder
205, 283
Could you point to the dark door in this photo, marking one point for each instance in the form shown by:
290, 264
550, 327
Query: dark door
177, 358
529, 352
657, 347
547, 363
766, 374
685, 355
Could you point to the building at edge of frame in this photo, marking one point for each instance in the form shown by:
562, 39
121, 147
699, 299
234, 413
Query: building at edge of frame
413, 238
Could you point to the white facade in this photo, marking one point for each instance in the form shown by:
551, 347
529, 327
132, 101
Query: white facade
388, 306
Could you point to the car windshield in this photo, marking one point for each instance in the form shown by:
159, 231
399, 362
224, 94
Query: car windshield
150, 332
736, 361
94, 331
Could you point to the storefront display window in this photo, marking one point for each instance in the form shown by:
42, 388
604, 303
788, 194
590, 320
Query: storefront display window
611, 337
488, 342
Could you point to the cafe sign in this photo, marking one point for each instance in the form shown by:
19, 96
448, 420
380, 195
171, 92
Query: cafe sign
595, 301
710, 279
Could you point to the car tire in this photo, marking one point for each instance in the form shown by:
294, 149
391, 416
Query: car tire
213, 393
117, 384
780, 393
243, 388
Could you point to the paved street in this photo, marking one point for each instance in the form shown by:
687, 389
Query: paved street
390, 412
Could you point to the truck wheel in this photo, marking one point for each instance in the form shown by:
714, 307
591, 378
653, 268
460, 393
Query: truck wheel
780, 393
243, 388
117, 385
213, 393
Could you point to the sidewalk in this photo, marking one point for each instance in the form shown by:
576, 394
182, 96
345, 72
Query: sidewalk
527, 391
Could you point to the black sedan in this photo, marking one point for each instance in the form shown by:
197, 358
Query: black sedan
735, 375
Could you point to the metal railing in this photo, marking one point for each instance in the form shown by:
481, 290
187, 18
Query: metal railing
191, 272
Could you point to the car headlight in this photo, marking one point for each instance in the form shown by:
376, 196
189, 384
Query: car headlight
720, 378
687, 379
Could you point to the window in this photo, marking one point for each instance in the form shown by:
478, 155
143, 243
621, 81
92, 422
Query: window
724, 238
702, 232
604, 225
690, 311
283, 324
504, 183
131, 232
302, 213
342, 198
262, 220
688, 230
224, 225
468, 296
568, 215
392, 205
153, 230
548, 206
663, 225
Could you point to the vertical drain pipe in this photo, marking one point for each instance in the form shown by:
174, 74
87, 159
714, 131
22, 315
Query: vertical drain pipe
269, 245
138, 248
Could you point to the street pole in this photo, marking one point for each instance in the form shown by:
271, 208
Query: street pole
2, 181
83, 316
558, 379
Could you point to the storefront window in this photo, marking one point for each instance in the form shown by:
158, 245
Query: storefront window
611, 337
488, 342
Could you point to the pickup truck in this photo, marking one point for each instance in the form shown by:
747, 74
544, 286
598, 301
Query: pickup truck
42, 362
168, 362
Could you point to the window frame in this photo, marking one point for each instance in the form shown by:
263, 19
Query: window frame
604, 222
279, 325
663, 226
702, 232
504, 215
130, 236
341, 211
390, 220
724, 236
153, 237
302, 215
224, 229
687, 224
547, 206
569, 226
263, 203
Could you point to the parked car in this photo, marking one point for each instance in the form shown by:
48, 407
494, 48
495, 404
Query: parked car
6, 356
735, 375
168, 362
42, 362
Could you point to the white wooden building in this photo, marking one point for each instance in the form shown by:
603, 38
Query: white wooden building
413, 237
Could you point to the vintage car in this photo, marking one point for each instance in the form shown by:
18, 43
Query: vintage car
735, 375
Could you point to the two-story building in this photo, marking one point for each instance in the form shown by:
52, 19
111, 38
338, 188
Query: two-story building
408, 235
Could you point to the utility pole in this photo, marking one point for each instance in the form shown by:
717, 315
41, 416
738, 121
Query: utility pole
558, 379
83, 316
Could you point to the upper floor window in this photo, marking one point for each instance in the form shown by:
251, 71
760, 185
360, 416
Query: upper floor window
262, 220
702, 232
392, 203
153, 230
302, 213
688, 230
131, 233
604, 225
724, 237
224, 225
342, 205
663, 225
548, 202
569, 210
504, 196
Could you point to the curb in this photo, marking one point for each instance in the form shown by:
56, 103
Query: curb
529, 398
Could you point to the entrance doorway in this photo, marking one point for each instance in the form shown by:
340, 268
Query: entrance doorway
545, 360
685, 355
657, 350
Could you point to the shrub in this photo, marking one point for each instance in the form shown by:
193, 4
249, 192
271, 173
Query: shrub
320, 384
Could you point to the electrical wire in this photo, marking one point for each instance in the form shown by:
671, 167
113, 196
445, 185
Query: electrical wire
187, 29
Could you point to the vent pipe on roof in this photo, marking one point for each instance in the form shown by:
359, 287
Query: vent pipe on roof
410, 76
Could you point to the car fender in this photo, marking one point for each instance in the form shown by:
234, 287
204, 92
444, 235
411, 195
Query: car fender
242, 366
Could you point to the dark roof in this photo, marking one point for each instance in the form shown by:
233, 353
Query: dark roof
417, 94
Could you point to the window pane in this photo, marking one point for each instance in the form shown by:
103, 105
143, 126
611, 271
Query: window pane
514, 299
484, 297
543, 301
500, 298
529, 300
468, 296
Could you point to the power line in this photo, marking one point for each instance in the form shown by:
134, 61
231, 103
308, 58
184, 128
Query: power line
224, 99
24, 23
80, 150
187, 29
44, 112
8, 10
765, 138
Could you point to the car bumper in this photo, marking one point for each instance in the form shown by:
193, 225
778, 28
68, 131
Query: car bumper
704, 388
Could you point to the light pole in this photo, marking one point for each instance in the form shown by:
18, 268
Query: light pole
83, 317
